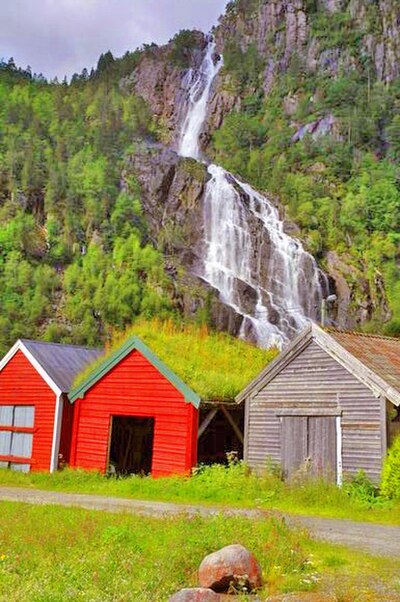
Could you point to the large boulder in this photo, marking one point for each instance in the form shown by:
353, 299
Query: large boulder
195, 594
231, 567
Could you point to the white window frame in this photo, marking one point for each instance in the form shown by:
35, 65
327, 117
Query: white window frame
17, 429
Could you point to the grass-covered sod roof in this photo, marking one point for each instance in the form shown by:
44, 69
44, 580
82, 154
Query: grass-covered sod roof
215, 365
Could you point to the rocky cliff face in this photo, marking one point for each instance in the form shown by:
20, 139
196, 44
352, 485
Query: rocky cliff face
172, 192
281, 35
279, 28
161, 82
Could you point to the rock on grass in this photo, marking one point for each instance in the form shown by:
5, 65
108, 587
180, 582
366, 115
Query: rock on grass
232, 567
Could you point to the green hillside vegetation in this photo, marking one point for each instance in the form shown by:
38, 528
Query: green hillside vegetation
341, 189
215, 365
75, 257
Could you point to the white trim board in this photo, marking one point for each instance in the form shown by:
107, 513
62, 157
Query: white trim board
339, 452
19, 346
55, 447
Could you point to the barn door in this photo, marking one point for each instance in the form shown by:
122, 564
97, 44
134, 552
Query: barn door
322, 446
311, 441
294, 450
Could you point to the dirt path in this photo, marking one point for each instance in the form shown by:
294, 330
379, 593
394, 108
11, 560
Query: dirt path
376, 539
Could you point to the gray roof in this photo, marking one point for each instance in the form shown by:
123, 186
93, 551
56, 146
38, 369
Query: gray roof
62, 362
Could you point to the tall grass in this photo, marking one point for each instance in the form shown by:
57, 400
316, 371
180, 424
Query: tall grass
215, 365
57, 554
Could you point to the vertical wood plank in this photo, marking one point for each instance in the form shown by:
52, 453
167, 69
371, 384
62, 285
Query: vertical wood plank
246, 429
322, 446
294, 443
384, 427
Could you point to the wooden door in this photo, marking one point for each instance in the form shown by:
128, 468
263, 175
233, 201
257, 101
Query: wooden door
294, 449
311, 441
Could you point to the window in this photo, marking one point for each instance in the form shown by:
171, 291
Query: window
16, 436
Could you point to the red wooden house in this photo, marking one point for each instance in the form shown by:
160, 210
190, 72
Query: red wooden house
133, 414
35, 414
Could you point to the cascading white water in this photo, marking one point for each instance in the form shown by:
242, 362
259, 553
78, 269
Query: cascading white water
254, 263
199, 92
262, 273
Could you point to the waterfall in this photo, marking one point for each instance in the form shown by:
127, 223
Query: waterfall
265, 275
199, 92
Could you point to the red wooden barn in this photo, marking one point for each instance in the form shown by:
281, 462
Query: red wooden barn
133, 414
35, 414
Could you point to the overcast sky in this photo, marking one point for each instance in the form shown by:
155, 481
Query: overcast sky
60, 37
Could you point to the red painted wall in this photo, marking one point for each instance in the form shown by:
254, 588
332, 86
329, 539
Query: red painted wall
134, 387
20, 384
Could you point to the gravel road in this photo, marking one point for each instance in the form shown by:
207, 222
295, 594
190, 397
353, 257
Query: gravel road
376, 539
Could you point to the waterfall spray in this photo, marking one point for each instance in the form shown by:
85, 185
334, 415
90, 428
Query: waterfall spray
262, 273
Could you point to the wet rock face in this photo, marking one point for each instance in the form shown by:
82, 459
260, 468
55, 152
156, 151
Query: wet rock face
358, 299
172, 195
279, 29
172, 192
173, 189
231, 567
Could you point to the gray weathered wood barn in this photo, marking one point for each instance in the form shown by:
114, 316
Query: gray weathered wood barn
330, 401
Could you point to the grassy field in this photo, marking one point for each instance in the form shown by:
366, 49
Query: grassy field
233, 486
55, 554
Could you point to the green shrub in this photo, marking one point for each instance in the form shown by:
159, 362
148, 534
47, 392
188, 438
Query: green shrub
390, 486
362, 491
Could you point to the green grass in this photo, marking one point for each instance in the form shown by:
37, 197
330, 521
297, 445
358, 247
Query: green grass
221, 486
215, 365
55, 554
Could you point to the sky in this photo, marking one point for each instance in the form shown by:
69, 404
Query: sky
61, 37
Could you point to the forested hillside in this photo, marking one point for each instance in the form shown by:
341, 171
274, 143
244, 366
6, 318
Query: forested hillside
306, 107
75, 256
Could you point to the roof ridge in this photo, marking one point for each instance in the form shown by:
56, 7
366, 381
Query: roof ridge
369, 335
134, 343
62, 345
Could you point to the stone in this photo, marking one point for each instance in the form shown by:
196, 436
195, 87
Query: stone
195, 594
231, 567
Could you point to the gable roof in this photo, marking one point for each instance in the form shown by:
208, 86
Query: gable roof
372, 359
134, 343
57, 364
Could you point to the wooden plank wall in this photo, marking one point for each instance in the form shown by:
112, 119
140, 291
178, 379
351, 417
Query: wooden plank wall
314, 379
